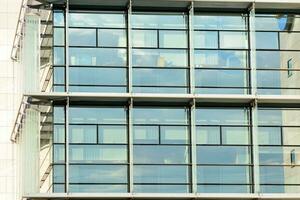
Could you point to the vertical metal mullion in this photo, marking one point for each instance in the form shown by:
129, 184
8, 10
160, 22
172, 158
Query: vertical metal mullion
191, 49
255, 146
193, 145
67, 44
130, 144
129, 46
67, 144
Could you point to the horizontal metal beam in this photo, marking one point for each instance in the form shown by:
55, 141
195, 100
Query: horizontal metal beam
223, 196
176, 98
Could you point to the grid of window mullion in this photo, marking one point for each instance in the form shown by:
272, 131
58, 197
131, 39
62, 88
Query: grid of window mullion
159, 47
284, 66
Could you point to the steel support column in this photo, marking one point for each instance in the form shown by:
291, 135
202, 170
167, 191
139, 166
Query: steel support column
193, 145
129, 46
191, 48
67, 171
130, 144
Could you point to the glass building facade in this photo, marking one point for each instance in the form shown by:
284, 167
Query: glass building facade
170, 148
163, 101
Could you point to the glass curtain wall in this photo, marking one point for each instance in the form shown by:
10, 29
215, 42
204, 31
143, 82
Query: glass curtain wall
279, 147
277, 53
221, 53
161, 150
223, 138
160, 53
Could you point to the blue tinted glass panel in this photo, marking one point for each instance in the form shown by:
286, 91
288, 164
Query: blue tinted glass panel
109, 20
285, 117
235, 135
278, 155
112, 38
160, 116
161, 188
167, 21
272, 175
109, 134
143, 154
266, 40
59, 75
98, 153
220, 59
83, 133
173, 39
58, 133
215, 116
174, 135
59, 36
58, 114
58, 153
220, 22
276, 22
82, 37
233, 40
98, 174
146, 134
58, 18
221, 78
97, 76
58, 55
223, 189
97, 56
59, 188
223, 155
208, 135
58, 173
97, 115
144, 38
223, 174
159, 58
206, 39
94, 188
160, 174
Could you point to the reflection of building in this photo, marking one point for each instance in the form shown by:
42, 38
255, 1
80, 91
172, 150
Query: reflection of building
168, 99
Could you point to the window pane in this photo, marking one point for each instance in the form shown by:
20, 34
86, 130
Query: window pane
235, 135
266, 40
146, 134
276, 22
160, 174
285, 117
83, 134
167, 21
289, 41
59, 134
208, 135
98, 153
161, 188
223, 174
144, 154
97, 56
160, 116
172, 39
102, 188
58, 55
58, 18
82, 37
144, 38
97, 115
58, 153
278, 155
269, 136
109, 20
291, 135
233, 40
59, 75
58, 173
219, 116
272, 175
206, 39
224, 22
223, 155
58, 188
112, 38
59, 114
112, 134
220, 59
174, 135
59, 36
98, 174
223, 189
97, 76
159, 58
